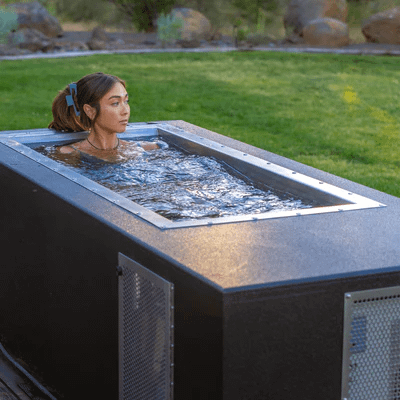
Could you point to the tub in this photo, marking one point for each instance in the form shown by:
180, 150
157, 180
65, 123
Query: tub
102, 295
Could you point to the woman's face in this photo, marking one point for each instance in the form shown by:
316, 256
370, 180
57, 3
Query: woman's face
114, 111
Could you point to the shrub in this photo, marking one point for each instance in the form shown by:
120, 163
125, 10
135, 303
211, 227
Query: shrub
144, 13
8, 22
168, 28
254, 10
88, 10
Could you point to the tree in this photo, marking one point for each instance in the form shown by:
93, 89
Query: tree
144, 13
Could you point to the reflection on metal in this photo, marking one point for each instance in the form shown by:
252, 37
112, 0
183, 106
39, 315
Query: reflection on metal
371, 345
145, 333
263, 173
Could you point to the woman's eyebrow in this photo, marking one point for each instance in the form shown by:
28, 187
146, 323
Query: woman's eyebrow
117, 97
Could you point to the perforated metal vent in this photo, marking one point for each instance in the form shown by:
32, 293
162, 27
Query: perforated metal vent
371, 345
145, 333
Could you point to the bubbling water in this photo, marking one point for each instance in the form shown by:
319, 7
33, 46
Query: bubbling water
177, 185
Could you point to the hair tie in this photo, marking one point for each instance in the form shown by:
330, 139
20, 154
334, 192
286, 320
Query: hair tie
70, 99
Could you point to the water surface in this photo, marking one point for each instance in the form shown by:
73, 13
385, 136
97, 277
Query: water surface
177, 185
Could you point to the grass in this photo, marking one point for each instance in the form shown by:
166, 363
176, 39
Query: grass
336, 113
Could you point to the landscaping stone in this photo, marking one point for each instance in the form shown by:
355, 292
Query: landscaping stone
35, 16
7, 50
29, 39
196, 27
299, 13
383, 27
100, 40
327, 32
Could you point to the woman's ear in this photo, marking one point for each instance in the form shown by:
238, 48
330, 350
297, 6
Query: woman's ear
89, 111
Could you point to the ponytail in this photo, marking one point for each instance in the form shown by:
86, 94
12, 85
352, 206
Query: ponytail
64, 117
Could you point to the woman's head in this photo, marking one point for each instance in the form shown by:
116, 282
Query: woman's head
89, 90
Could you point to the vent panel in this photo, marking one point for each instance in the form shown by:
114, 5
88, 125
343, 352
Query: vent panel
145, 333
371, 345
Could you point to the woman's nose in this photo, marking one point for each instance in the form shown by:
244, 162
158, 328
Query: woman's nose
125, 108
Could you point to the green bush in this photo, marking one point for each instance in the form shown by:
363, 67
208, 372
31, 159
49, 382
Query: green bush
254, 10
144, 13
168, 28
8, 22
100, 11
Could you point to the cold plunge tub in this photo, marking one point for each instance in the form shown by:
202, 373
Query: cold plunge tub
107, 296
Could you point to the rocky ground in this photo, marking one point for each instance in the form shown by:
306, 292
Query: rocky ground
82, 41
127, 40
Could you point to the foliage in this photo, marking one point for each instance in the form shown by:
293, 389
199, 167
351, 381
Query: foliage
144, 13
88, 10
8, 22
214, 10
359, 10
254, 10
338, 113
168, 28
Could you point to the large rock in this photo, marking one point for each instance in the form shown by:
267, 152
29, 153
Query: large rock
196, 27
327, 32
101, 40
383, 27
35, 16
299, 13
29, 39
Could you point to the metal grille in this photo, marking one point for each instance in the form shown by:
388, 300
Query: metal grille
371, 345
146, 333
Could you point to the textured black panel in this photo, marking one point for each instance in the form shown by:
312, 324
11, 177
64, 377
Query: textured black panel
146, 333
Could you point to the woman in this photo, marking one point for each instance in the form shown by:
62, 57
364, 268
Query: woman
99, 104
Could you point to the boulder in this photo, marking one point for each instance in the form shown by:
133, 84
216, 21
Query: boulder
299, 13
196, 27
29, 39
7, 50
101, 40
35, 16
327, 32
383, 27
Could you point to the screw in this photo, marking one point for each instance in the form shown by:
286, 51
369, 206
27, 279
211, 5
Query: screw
348, 296
119, 270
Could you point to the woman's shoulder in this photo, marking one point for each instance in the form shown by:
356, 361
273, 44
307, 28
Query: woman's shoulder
68, 149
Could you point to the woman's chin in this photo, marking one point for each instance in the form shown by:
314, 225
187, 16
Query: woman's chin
122, 129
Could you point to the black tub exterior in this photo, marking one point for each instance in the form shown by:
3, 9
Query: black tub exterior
258, 305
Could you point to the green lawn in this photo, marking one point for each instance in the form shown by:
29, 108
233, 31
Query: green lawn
336, 113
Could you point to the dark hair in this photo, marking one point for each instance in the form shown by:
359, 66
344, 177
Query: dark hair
90, 89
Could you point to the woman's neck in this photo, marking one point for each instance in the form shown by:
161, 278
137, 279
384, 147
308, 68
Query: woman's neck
102, 141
